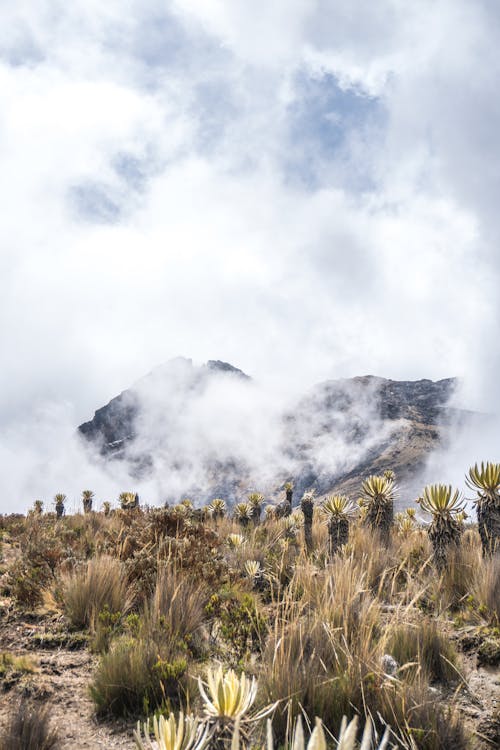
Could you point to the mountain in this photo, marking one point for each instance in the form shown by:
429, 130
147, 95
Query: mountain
114, 425
207, 431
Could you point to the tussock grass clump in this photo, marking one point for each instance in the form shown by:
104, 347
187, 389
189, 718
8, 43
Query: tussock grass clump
420, 722
145, 669
421, 646
100, 584
29, 728
12, 663
486, 589
134, 677
177, 604
451, 589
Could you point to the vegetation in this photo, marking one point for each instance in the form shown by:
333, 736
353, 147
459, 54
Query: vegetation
377, 494
486, 480
224, 628
445, 531
29, 728
87, 500
307, 508
339, 510
59, 501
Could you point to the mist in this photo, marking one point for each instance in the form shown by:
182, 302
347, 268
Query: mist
321, 205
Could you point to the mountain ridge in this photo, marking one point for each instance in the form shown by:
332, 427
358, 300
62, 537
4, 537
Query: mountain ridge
329, 439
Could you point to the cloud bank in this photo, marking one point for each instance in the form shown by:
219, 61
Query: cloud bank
306, 190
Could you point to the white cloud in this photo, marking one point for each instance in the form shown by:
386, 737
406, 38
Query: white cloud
160, 196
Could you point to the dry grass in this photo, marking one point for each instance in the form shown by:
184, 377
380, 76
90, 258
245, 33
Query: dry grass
135, 678
451, 590
178, 603
322, 625
421, 648
98, 585
29, 729
486, 589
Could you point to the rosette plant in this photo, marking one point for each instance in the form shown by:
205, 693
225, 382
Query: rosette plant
255, 502
87, 498
377, 495
185, 733
242, 514
307, 508
444, 504
59, 501
486, 481
217, 508
228, 702
339, 511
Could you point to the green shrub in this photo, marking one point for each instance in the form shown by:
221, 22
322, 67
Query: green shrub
238, 620
132, 679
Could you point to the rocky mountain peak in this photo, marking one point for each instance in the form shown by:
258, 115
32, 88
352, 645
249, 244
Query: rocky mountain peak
183, 421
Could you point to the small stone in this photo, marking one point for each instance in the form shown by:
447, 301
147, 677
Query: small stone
389, 665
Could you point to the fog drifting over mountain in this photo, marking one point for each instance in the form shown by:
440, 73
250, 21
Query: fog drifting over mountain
306, 190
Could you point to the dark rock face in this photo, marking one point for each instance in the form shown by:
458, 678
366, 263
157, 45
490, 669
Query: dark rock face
338, 433
218, 366
115, 425
383, 424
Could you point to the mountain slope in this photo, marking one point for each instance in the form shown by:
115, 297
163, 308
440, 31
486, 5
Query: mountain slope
209, 430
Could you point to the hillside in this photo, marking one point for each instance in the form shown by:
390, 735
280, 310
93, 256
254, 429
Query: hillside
189, 425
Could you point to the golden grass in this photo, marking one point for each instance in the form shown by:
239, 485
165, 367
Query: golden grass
98, 585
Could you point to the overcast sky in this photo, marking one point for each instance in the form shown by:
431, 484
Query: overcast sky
304, 188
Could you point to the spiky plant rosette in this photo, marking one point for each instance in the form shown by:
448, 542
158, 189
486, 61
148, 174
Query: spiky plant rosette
338, 507
127, 500
377, 496
255, 499
242, 511
441, 501
217, 507
292, 524
235, 540
187, 733
486, 481
406, 526
347, 739
252, 568
444, 504
379, 490
307, 503
228, 698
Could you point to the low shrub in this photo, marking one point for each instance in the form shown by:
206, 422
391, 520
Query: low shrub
237, 619
134, 678
29, 728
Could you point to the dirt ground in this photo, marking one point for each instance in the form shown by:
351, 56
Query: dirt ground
61, 680
62, 676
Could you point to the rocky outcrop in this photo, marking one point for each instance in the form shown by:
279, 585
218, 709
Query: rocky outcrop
338, 433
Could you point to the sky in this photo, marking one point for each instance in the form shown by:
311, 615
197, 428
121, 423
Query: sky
306, 189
